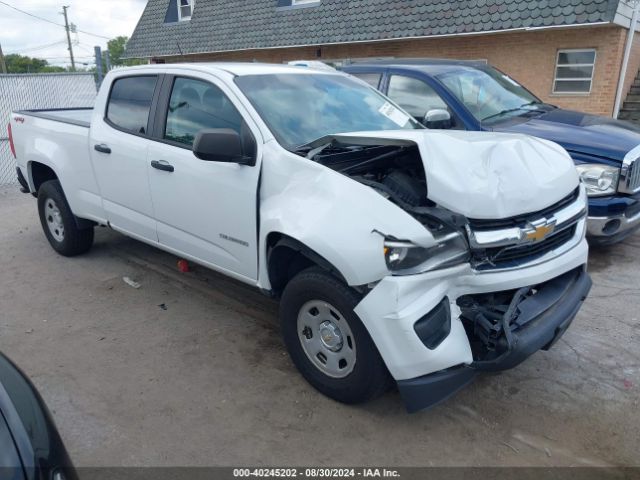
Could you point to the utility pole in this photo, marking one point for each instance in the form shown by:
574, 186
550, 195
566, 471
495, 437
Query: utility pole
99, 74
3, 64
66, 27
107, 61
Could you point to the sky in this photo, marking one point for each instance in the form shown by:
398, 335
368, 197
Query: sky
20, 33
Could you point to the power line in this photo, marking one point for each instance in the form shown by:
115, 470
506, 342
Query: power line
93, 34
79, 45
49, 21
64, 57
41, 47
31, 14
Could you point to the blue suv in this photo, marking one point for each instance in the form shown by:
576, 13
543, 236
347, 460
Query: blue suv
471, 95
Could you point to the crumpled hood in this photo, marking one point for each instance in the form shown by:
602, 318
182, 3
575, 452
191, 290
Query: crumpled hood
485, 175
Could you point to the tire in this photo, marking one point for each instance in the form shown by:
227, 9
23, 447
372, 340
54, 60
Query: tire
316, 302
59, 223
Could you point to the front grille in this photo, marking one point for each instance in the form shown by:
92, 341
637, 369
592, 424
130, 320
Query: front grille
525, 238
520, 220
633, 175
506, 257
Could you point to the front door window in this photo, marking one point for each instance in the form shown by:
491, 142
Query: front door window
415, 96
196, 105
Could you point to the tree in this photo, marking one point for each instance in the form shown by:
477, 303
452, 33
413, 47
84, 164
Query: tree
23, 64
116, 47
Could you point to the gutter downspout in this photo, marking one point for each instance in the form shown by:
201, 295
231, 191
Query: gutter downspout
625, 60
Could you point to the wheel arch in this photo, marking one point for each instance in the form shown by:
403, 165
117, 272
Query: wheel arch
287, 256
38, 174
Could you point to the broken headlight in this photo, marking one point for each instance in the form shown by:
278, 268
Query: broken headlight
406, 258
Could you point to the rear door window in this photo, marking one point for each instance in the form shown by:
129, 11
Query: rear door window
372, 79
130, 103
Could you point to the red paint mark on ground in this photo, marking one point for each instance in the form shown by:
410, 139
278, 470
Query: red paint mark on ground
183, 266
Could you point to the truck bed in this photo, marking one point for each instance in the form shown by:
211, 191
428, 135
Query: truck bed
58, 138
74, 116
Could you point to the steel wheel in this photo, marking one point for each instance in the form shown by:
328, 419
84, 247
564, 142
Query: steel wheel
61, 227
322, 333
54, 220
326, 339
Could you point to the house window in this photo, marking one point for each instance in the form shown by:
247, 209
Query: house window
574, 71
289, 4
185, 9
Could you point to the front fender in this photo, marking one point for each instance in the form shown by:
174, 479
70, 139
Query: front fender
340, 219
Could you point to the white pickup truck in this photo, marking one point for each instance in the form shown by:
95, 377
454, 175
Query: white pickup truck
398, 253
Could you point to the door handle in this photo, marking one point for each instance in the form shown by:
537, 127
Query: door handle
162, 165
102, 149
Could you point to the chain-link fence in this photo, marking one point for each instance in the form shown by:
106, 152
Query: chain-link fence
25, 92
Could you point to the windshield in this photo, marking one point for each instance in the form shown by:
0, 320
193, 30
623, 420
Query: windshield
300, 108
488, 94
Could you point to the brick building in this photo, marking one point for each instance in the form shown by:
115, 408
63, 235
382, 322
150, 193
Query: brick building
568, 52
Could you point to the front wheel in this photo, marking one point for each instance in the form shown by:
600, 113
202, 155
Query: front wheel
59, 223
327, 341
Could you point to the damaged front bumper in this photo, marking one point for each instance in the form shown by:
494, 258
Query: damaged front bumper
508, 328
503, 335
495, 320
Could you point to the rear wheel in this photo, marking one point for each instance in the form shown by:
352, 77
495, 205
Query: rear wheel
327, 341
59, 223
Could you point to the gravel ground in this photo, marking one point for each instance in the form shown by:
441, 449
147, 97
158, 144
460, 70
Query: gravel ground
190, 370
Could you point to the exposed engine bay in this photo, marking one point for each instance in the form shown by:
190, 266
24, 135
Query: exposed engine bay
395, 172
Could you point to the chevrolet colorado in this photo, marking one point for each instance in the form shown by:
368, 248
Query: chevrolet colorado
398, 254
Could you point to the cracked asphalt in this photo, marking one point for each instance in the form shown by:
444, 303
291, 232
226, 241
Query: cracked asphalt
189, 370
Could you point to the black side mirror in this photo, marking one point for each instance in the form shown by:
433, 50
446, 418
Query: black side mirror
221, 145
27, 422
437, 118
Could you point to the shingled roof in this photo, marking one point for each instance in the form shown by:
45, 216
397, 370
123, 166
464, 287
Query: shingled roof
229, 25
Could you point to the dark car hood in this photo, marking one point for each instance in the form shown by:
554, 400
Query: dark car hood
577, 132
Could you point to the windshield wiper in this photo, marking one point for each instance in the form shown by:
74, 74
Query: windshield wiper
510, 110
305, 148
308, 152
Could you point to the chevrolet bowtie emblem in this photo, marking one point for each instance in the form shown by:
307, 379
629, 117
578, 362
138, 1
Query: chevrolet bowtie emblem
540, 230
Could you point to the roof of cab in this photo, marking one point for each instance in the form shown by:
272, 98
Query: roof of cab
418, 61
236, 68
430, 65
